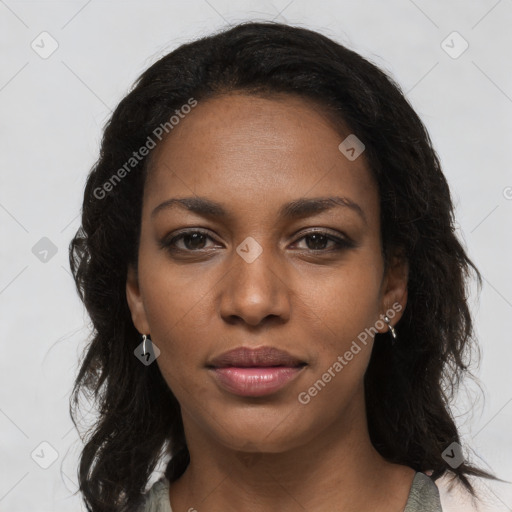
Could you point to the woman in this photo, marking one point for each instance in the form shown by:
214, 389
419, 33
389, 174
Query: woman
268, 256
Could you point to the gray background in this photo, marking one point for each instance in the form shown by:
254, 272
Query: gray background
53, 108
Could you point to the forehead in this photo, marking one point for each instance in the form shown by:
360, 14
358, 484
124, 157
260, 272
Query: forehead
248, 151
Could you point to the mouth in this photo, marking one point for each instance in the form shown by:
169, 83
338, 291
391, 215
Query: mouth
255, 380
245, 357
255, 372
244, 365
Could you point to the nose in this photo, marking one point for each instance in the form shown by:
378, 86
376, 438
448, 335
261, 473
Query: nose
255, 292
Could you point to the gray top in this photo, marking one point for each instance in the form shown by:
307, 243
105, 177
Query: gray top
423, 496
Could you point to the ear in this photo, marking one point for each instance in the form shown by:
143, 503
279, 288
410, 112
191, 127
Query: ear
394, 289
135, 301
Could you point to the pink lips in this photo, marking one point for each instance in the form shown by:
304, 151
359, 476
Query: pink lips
255, 372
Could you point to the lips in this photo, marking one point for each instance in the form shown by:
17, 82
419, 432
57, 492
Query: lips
255, 372
244, 357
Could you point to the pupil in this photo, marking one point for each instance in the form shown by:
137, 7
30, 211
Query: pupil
195, 237
316, 244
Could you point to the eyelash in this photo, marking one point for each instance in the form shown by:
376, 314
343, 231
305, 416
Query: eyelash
340, 243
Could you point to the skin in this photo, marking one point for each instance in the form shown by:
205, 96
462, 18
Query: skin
272, 453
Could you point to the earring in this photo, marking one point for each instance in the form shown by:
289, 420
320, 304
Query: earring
144, 338
391, 328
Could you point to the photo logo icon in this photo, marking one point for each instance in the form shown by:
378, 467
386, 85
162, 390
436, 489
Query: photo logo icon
454, 45
44, 45
249, 249
453, 455
351, 147
151, 353
44, 455
44, 250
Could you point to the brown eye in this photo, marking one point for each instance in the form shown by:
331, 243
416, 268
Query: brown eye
192, 241
318, 241
196, 240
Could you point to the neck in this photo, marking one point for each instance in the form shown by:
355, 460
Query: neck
338, 469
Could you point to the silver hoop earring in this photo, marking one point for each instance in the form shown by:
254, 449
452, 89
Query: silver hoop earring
391, 328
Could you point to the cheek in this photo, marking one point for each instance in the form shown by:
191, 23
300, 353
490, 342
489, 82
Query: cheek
342, 314
343, 303
173, 293
178, 308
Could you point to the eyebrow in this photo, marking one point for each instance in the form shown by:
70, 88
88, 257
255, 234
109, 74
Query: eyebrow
294, 209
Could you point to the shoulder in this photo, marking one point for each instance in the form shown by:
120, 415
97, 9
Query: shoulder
157, 498
424, 495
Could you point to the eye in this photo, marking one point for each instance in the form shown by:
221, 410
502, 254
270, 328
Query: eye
317, 241
192, 241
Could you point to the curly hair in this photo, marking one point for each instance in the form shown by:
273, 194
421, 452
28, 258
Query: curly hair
408, 387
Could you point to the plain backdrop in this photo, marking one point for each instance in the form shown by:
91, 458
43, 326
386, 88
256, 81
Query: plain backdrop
53, 109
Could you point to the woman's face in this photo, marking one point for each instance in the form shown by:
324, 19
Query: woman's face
259, 274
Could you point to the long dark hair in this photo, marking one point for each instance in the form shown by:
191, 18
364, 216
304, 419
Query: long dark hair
408, 386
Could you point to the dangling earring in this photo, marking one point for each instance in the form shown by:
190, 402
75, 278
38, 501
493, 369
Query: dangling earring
144, 338
391, 328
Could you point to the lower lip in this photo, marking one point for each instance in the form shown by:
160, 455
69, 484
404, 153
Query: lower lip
254, 381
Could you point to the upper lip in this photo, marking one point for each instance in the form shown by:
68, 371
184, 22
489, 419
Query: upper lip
262, 356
